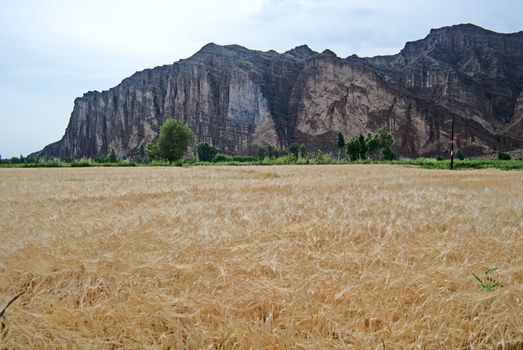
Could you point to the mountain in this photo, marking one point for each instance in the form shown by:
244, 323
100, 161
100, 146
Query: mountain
237, 99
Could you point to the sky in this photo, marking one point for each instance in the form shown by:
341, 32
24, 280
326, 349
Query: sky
52, 51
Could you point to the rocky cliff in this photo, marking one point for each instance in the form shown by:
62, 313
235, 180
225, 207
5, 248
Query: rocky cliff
237, 99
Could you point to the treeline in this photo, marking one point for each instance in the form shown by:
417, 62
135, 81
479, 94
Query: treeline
175, 138
372, 147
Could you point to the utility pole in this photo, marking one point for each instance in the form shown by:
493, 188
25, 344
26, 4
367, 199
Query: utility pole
452, 145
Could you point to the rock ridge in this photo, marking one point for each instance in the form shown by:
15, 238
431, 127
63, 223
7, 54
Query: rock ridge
237, 99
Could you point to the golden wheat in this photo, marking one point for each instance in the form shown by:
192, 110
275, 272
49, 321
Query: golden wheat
260, 257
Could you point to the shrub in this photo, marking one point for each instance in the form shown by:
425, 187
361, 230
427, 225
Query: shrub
112, 157
206, 152
219, 158
243, 159
504, 156
80, 163
294, 150
260, 152
303, 151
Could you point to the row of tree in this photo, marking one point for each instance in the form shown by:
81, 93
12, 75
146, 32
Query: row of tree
374, 147
175, 137
295, 151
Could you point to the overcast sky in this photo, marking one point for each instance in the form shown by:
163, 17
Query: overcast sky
52, 51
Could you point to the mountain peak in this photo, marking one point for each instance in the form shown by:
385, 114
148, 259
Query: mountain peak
467, 28
330, 53
302, 52
211, 47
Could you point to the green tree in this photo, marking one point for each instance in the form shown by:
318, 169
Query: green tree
303, 151
260, 152
353, 149
373, 147
175, 137
206, 152
153, 152
385, 139
387, 153
142, 152
112, 157
459, 155
504, 156
385, 143
294, 150
270, 151
362, 147
340, 143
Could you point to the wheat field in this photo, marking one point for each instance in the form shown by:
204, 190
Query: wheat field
295, 257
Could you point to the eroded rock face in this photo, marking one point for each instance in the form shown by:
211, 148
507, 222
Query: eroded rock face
363, 101
237, 99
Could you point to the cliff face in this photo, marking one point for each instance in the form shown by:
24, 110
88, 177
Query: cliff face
237, 99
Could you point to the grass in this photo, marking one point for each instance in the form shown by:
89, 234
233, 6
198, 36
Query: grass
427, 163
306, 257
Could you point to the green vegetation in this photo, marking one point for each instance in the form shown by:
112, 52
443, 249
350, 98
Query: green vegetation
488, 282
175, 137
55, 163
294, 150
112, 157
303, 151
206, 152
504, 156
430, 163
377, 147
340, 143
320, 158
260, 152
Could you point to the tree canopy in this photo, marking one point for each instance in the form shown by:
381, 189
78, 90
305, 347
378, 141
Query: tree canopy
175, 137
375, 147
206, 152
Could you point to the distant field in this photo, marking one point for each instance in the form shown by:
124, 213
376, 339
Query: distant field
312, 257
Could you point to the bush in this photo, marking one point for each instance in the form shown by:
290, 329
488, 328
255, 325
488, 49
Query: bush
322, 158
260, 152
112, 157
303, 151
127, 163
153, 152
158, 163
243, 159
504, 156
294, 150
206, 152
221, 157
82, 163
